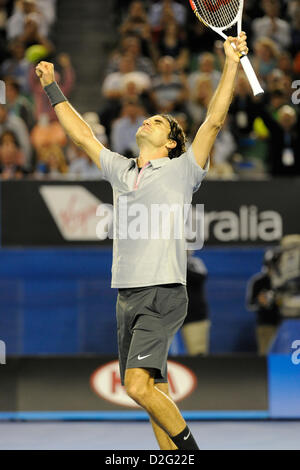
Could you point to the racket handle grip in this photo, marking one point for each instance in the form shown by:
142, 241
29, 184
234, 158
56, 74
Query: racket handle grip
248, 69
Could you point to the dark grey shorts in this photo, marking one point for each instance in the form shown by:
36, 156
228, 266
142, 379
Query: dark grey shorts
148, 318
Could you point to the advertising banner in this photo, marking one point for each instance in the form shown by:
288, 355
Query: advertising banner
284, 371
92, 383
44, 213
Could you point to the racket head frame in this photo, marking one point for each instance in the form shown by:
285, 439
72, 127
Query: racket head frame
255, 85
237, 20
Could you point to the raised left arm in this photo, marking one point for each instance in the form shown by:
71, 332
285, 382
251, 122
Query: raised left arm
219, 105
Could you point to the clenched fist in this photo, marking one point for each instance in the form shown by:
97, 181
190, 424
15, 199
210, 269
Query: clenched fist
235, 47
45, 72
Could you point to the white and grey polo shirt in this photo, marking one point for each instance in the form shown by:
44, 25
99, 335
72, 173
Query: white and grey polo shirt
143, 253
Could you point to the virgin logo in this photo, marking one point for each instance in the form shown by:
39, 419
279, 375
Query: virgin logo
106, 383
74, 210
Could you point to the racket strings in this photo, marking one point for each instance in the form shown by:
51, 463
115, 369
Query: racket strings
218, 13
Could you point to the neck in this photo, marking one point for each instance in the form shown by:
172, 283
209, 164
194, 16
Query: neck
150, 153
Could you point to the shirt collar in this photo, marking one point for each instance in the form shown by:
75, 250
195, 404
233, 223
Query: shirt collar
156, 163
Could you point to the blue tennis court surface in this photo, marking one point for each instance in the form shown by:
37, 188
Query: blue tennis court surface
229, 435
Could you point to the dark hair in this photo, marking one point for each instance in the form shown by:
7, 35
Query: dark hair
277, 93
12, 134
13, 82
176, 134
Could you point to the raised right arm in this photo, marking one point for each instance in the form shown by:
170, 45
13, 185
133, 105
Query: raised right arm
75, 126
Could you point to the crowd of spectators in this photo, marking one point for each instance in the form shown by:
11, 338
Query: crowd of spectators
164, 61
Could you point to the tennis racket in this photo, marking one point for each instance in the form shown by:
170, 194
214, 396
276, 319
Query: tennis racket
220, 15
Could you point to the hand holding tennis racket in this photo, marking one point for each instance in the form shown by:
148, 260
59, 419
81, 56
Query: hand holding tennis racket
235, 47
220, 15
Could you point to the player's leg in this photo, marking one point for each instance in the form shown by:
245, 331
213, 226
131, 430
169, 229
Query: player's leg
163, 439
160, 314
140, 386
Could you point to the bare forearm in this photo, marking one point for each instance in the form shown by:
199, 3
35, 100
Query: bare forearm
219, 105
76, 128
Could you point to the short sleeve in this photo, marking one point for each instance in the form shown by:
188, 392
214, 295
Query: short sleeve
194, 173
112, 165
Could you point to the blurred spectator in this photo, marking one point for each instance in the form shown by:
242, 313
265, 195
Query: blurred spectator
136, 21
151, 29
222, 153
78, 167
261, 299
51, 162
272, 25
28, 20
18, 104
158, 9
33, 37
48, 8
47, 133
286, 84
93, 121
206, 66
253, 9
283, 141
266, 56
82, 167
11, 157
127, 83
133, 91
17, 66
136, 24
293, 6
171, 43
285, 63
199, 39
7, 6
124, 129
276, 101
72, 151
3, 20
131, 45
3, 16
242, 113
295, 33
200, 96
65, 80
169, 91
3, 49
115, 82
196, 326
278, 81
297, 64
10, 122
219, 55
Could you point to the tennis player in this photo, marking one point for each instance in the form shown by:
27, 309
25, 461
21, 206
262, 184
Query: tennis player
150, 274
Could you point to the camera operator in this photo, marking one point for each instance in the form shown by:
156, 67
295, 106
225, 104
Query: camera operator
261, 298
285, 276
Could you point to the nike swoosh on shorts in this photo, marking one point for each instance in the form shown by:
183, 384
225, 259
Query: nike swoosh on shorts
143, 357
